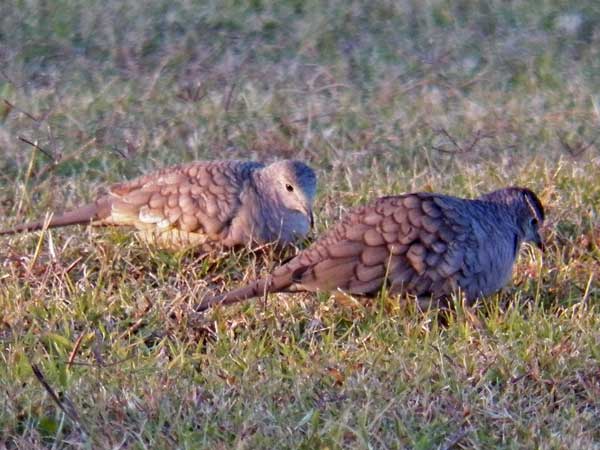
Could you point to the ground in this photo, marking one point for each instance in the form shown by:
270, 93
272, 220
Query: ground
99, 348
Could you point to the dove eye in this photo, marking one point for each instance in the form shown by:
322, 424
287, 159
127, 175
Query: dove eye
534, 222
289, 187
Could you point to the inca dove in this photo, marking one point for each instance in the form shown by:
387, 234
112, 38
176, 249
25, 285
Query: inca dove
206, 204
423, 244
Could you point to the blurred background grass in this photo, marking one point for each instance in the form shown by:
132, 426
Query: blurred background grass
380, 97
331, 81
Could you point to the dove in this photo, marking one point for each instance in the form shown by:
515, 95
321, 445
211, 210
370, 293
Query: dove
423, 244
205, 205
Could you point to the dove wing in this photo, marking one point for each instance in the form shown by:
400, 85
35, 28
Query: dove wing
189, 204
416, 243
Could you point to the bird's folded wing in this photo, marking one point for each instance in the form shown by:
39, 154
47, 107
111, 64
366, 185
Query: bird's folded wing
195, 199
413, 243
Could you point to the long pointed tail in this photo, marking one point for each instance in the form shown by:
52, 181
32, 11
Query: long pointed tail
257, 288
254, 289
82, 215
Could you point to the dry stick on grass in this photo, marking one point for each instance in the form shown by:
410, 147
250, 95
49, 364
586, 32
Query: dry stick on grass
96, 350
457, 148
138, 323
42, 118
455, 438
100, 366
16, 108
75, 350
61, 159
56, 162
165, 60
460, 149
578, 148
37, 147
71, 266
9, 79
188, 94
119, 152
64, 404
229, 96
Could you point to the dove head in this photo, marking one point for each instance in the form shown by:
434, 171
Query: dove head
527, 209
288, 190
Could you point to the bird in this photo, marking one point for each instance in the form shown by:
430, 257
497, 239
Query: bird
205, 205
423, 244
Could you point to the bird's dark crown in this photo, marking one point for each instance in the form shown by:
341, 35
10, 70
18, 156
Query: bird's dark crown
520, 194
303, 172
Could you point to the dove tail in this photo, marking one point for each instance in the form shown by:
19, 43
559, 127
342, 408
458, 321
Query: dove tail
82, 215
257, 288
251, 290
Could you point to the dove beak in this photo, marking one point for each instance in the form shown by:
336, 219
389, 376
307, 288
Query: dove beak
538, 241
307, 210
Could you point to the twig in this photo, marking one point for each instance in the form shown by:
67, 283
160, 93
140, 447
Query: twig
156, 76
119, 151
9, 79
227, 99
73, 265
229, 96
456, 438
37, 147
75, 350
460, 149
189, 94
575, 150
96, 349
72, 155
22, 111
103, 365
138, 323
65, 404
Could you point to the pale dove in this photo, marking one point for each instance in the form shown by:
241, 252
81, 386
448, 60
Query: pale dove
424, 244
205, 205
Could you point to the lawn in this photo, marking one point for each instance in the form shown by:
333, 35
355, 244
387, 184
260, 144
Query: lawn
100, 347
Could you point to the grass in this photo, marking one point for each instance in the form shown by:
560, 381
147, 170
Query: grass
459, 97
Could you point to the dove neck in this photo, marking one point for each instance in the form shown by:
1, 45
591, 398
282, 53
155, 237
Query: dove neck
512, 197
507, 209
